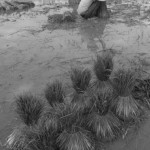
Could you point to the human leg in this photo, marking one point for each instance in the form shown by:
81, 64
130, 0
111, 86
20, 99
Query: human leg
103, 12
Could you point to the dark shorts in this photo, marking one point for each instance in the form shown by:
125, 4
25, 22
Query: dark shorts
93, 10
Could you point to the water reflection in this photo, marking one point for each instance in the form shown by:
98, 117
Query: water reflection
92, 34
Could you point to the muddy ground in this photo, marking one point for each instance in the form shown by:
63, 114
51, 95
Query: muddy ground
33, 53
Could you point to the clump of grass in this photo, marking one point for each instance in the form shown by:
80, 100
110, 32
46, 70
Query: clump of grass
44, 139
66, 116
82, 104
80, 79
82, 95
127, 108
73, 135
56, 18
69, 17
66, 17
49, 121
102, 121
29, 108
103, 67
141, 92
123, 82
54, 93
31, 138
124, 105
20, 138
78, 140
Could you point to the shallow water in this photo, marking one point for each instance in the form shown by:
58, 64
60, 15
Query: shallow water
30, 58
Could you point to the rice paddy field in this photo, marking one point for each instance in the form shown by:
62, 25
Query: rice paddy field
41, 55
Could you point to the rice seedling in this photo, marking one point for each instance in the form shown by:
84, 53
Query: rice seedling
66, 116
127, 108
101, 120
31, 138
77, 140
82, 95
29, 108
55, 19
49, 121
123, 82
82, 104
21, 138
73, 135
141, 92
44, 139
103, 67
69, 17
80, 79
124, 105
54, 93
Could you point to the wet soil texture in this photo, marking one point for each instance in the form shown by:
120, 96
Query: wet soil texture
14, 6
34, 52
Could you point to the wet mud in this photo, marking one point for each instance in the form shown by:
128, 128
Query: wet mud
33, 52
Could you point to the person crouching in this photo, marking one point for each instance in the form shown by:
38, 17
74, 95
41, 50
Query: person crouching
93, 8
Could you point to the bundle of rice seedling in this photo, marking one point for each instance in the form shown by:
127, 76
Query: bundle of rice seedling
102, 121
80, 79
44, 139
141, 92
103, 67
125, 105
73, 135
82, 93
21, 138
31, 138
54, 93
68, 17
49, 121
29, 108
66, 116
78, 139
56, 18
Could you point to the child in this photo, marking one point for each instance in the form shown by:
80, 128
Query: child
93, 8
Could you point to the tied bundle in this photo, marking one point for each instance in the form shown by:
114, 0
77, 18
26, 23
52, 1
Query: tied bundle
101, 120
54, 93
125, 105
81, 99
103, 67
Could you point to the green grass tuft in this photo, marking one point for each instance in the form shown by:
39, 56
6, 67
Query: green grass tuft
123, 82
29, 108
78, 140
82, 103
80, 79
127, 108
102, 121
67, 116
54, 93
49, 122
21, 138
103, 67
103, 101
106, 127
141, 92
